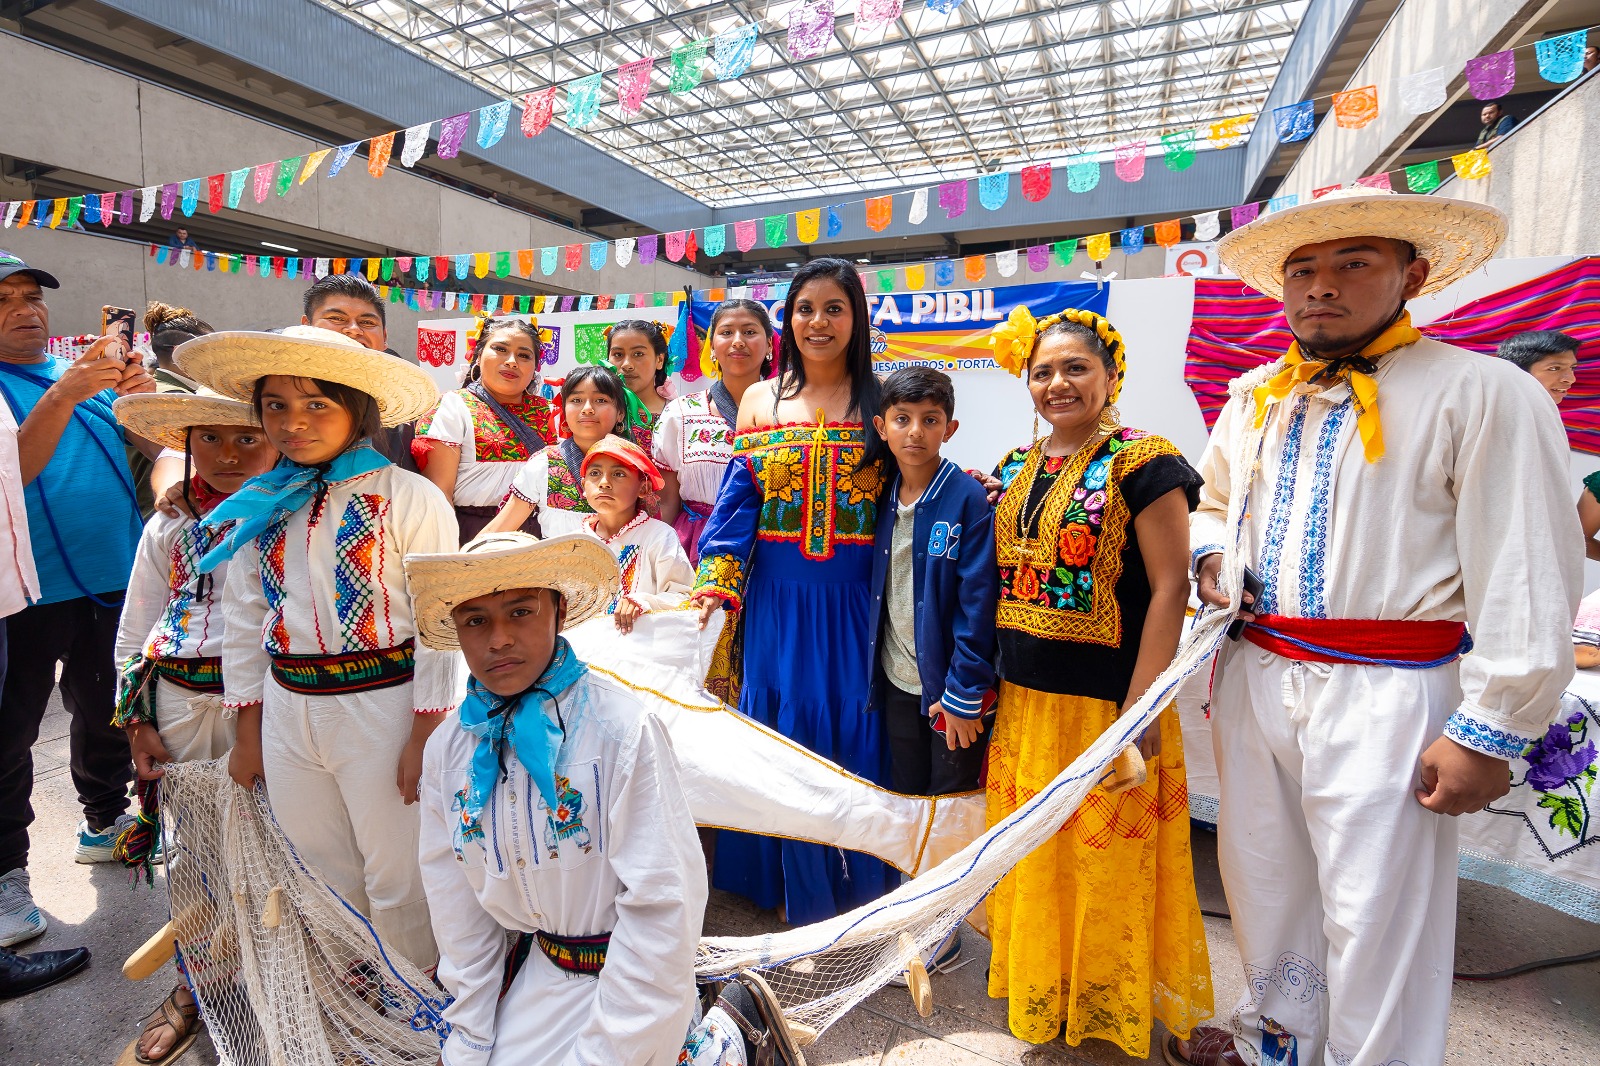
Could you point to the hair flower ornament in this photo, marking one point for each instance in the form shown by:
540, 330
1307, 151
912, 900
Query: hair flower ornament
1012, 340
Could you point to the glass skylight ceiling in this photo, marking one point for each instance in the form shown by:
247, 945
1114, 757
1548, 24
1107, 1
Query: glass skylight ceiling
929, 97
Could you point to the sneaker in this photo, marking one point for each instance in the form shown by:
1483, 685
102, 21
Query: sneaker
942, 959
19, 916
98, 847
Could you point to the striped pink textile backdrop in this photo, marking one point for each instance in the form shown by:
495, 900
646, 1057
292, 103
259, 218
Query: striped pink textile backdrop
1236, 329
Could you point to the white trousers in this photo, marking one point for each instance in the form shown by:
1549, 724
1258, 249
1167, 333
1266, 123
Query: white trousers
192, 724
330, 763
1342, 886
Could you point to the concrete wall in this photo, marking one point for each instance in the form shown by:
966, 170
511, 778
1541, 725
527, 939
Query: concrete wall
116, 132
1422, 35
1546, 178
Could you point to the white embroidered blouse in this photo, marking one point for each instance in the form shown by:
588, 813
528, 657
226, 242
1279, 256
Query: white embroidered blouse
694, 441
656, 573
1465, 518
170, 611
330, 580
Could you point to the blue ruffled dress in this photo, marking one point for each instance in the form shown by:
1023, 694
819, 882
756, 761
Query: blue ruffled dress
790, 543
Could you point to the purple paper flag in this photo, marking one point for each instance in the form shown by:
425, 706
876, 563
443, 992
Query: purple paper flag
647, 248
1038, 257
953, 198
1245, 214
1491, 76
452, 131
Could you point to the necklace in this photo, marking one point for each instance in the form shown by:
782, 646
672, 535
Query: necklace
1026, 544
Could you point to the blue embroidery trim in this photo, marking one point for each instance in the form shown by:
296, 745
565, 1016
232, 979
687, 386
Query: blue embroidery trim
1314, 551
1200, 553
1481, 736
1282, 504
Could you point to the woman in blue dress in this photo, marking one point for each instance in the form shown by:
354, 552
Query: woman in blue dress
789, 548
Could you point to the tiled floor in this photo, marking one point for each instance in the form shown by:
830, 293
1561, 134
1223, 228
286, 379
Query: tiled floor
1542, 1019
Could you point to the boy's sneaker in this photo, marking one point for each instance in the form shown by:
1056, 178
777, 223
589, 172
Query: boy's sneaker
942, 959
19, 916
98, 847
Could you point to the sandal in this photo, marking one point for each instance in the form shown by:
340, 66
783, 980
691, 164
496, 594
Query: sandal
183, 1020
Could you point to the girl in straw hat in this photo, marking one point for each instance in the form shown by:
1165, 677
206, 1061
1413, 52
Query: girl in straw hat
335, 701
656, 575
552, 808
693, 440
1098, 932
169, 641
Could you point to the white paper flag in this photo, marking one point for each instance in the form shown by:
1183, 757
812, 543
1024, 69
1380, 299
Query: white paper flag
416, 144
623, 246
919, 207
1207, 226
11, 212
1006, 262
147, 203
1424, 91
321, 268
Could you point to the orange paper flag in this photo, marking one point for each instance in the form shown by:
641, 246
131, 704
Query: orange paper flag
313, 161
525, 262
976, 267
880, 209
1356, 107
1169, 232
806, 224
1098, 247
26, 214
378, 154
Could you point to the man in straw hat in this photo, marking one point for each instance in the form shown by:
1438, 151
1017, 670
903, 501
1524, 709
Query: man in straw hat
552, 807
1394, 493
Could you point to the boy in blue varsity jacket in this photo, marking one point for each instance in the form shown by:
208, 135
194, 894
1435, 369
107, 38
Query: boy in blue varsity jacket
935, 584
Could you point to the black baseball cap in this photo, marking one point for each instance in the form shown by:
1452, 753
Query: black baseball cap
10, 264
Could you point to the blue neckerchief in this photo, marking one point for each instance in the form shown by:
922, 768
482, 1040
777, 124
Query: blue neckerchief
270, 498
522, 720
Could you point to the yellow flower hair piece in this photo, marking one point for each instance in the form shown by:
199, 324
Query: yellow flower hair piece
479, 320
1014, 339
708, 362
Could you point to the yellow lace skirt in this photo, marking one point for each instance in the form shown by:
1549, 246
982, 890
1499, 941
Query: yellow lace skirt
1099, 928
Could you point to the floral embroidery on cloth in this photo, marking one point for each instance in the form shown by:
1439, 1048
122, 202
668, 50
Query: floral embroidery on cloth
566, 821
706, 437
1553, 782
564, 492
494, 441
815, 488
1059, 581
722, 575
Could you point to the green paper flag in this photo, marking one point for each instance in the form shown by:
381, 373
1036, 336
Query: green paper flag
386, 269
1065, 250
777, 227
74, 205
1178, 149
1422, 177
502, 264
688, 61
522, 304
287, 169
660, 300
885, 281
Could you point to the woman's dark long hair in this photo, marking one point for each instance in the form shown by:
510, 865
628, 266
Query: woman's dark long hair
608, 381
493, 326
864, 388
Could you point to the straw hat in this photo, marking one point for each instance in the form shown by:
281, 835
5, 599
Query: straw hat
576, 565
233, 362
166, 417
1456, 237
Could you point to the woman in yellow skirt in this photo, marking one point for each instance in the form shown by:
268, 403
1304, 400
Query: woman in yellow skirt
1098, 931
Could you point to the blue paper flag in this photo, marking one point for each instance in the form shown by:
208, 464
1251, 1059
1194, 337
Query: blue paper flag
835, 223
91, 209
1278, 203
191, 196
547, 261
1295, 122
943, 7
1561, 58
585, 303
993, 190
944, 272
1133, 240
732, 50
597, 254
463, 264
341, 156
492, 123
423, 263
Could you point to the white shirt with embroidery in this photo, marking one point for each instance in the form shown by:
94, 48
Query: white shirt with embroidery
331, 580
618, 856
1465, 518
171, 610
693, 441
556, 495
656, 573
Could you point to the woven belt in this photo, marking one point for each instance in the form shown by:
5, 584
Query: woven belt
1406, 645
202, 674
355, 671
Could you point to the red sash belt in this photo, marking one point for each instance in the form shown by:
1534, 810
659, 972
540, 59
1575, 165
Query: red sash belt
1361, 641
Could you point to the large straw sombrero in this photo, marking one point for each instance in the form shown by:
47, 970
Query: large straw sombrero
1456, 237
166, 417
576, 565
232, 363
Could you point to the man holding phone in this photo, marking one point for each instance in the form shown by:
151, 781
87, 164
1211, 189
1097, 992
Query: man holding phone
84, 525
1395, 493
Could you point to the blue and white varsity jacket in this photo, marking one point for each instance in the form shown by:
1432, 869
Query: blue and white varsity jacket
957, 584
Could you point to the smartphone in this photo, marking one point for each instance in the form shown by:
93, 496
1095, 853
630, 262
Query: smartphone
118, 322
1253, 588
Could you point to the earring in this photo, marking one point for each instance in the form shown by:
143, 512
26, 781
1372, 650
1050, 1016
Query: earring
1035, 423
1110, 419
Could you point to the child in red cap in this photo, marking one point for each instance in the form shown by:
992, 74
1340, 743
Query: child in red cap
656, 574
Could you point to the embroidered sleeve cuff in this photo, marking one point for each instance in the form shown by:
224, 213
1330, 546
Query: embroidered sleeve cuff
644, 608
461, 1050
518, 493
432, 710
236, 702
1200, 553
722, 576
1480, 736
961, 708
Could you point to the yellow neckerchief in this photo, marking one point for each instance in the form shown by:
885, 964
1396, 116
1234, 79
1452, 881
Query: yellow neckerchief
1363, 387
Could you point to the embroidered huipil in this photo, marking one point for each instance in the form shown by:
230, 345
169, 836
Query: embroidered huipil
618, 856
696, 443
1465, 518
552, 487
329, 580
491, 453
165, 614
656, 574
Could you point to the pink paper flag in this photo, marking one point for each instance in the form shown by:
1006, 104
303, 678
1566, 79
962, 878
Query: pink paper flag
633, 84
266, 174
1376, 181
870, 14
1130, 161
953, 198
537, 108
744, 234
